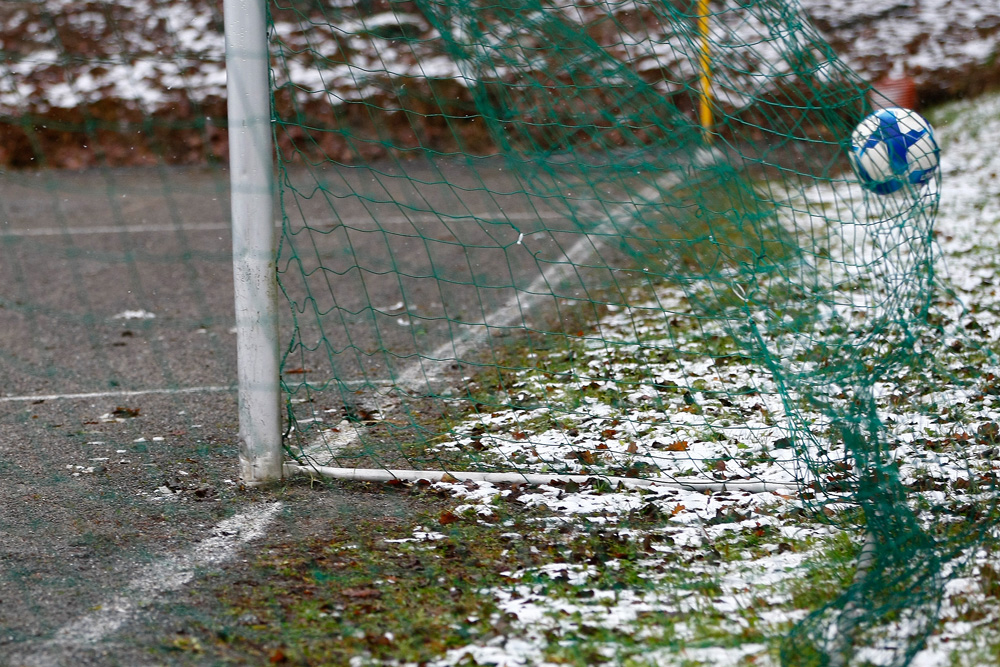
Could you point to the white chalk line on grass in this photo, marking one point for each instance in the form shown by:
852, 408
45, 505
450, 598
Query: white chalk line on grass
167, 574
124, 393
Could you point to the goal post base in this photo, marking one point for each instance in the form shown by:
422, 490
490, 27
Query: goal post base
260, 471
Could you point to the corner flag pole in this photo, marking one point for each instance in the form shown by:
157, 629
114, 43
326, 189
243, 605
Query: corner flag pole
705, 69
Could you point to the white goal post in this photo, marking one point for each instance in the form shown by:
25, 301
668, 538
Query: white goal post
251, 165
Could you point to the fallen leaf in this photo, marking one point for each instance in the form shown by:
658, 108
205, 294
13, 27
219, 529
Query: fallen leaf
989, 432
361, 593
679, 446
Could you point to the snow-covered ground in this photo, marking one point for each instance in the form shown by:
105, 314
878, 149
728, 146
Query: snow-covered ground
162, 56
113, 68
708, 629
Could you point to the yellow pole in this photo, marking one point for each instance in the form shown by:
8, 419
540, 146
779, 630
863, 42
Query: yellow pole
705, 67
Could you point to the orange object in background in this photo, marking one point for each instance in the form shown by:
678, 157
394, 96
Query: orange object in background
894, 90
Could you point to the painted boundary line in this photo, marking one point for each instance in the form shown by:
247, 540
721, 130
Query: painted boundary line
116, 229
540, 289
36, 398
417, 373
226, 226
167, 574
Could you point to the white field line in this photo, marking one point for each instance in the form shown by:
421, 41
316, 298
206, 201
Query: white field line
506, 315
35, 398
328, 442
169, 573
116, 229
512, 312
160, 228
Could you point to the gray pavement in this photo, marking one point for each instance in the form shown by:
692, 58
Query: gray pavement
117, 417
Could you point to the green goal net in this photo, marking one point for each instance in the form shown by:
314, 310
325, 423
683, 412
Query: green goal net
621, 282
624, 239
643, 255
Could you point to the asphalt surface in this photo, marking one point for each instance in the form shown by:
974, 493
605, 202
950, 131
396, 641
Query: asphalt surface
85, 259
117, 358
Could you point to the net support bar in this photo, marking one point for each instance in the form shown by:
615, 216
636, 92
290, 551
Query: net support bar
251, 163
535, 479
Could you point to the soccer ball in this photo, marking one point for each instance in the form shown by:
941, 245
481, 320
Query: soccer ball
892, 148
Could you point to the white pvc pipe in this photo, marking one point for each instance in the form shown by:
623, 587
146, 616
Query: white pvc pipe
381, 475
251, 165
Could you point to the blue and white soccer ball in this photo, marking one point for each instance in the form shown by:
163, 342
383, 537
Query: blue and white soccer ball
892, 148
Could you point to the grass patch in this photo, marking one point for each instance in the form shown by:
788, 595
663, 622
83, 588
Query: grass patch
596, 590
382, 590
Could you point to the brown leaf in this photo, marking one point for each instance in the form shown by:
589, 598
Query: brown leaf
677, 509
679, 446
127, 413
989, 432
361, 593
277, 656
447, 517
632, 448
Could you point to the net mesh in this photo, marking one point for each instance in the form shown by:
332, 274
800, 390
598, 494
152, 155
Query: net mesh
623, 239
619, 240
